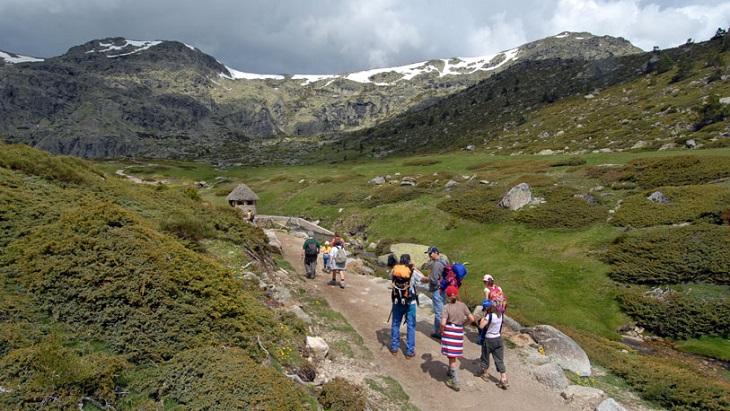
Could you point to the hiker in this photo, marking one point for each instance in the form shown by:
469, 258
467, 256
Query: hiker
490, 335
311, 251
326, 267
494, 293
248, 217
338, 260
452, 332
337, 240
404, 299
434, 287
251, 216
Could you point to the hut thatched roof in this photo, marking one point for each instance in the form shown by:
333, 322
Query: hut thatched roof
242, 193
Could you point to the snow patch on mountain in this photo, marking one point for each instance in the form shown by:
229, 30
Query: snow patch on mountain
17, 58
391, 75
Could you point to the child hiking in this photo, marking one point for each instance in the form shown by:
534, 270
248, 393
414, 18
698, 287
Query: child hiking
452, 332
490, 335
326, 250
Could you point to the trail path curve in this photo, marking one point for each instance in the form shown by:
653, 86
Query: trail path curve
365, 302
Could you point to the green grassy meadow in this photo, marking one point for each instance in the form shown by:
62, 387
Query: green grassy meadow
553, 276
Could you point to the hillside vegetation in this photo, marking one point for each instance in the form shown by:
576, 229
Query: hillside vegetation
109, 293
587, 268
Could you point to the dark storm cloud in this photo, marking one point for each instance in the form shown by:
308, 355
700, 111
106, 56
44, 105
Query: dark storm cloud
328, 36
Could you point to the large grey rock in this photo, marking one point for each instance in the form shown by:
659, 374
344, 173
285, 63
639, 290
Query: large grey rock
551, 375
318, 347
297, 310
580, 391
518, 197
609, 404
561, 348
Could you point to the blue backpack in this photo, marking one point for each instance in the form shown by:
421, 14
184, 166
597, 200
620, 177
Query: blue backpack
453, 275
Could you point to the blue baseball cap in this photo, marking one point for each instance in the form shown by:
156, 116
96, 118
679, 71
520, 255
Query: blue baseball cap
486, 303
432, 249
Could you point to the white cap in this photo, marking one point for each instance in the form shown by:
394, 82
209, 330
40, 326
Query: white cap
488, 277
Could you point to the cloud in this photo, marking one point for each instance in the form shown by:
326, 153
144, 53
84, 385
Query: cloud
335, 36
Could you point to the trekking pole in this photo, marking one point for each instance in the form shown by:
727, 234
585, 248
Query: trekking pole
389, 315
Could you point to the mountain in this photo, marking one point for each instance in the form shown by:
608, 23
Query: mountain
163, 99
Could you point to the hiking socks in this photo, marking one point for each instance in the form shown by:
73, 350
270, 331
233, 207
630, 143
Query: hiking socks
454, 375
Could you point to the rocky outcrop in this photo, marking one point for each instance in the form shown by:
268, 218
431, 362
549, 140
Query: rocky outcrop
563, 349
517, 197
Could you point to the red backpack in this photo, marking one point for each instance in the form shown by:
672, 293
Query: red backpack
453, 275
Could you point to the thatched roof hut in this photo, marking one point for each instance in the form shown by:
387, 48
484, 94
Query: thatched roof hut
243, 197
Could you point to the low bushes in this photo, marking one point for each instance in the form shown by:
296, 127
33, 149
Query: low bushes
691, 203
679, 315
390, 194
562, 211
217, 378
478, 204
672, 255
667, 382
676, 171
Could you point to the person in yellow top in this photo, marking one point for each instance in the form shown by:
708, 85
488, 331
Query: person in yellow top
326, 257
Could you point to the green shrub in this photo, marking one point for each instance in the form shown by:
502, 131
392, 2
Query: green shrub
421, 162
390, 194
187, 226
676, 171
670, 313
192, 193
562, 211
672, 255
690, 203
478, 204
42, 164
50, 370
219, 378
342, 395
670, 383
570, 161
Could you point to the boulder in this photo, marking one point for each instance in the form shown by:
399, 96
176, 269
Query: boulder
318, 347
609, 404
297, 310
658, 197
561, 348
274, 243
379, 180
580, 391
516, 198
551, 375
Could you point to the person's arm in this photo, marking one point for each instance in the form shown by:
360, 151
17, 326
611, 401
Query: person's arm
443, 324
471, 319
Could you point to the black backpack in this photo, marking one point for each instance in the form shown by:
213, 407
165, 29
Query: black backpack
311, 248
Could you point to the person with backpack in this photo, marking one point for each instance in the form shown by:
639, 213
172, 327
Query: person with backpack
434, 287
490, 337
494, 293
404, 299
311, 251
338, 261
452, 332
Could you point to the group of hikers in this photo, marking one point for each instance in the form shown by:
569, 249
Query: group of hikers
334, 257
451, 314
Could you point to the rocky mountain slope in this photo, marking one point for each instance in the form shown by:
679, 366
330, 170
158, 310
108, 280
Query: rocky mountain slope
164, 99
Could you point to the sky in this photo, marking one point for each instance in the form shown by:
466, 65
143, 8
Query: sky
340, 36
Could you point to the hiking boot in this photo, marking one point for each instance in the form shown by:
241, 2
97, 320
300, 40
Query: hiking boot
342, 284
332, 282
453, 385
436, 336
409, 356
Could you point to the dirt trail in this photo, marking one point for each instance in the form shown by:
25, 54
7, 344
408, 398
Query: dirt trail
365, 302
